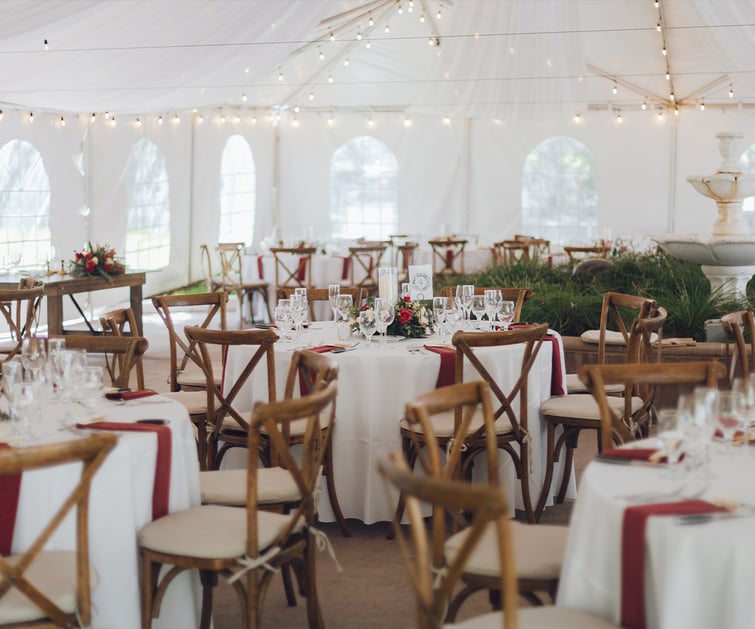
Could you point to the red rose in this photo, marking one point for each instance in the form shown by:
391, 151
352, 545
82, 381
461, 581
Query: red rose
88, 255
364, 307
109, 264
407, 298
79, 255
90, 265
404, 316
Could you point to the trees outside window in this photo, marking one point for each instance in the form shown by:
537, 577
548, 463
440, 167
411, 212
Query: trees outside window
363, 190
148, 231
559, 197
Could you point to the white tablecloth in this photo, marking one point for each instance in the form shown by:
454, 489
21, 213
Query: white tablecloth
374, 386
697, 576
120, 505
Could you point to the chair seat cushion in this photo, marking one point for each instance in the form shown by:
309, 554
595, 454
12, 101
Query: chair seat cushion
539, 551
548, 617
192, 376
583, 406
210, 531
613, 337
575, 385
443, 424
54, 574
228, 487
194, 401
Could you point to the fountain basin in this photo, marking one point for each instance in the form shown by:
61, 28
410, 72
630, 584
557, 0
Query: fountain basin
724, 187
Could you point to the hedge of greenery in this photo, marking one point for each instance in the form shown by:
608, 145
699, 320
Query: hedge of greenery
570, 302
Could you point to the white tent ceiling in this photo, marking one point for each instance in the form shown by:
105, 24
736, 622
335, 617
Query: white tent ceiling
496, 58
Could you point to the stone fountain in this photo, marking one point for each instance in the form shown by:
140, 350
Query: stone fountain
727, 258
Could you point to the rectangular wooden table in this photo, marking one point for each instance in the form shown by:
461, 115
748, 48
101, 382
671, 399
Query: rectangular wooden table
56, 286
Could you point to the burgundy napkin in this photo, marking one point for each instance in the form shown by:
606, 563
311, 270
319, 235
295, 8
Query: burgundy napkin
301, 270
631, 454
633, 553
129, 395
161, 486
345, 268
323, 349
10, 489
450, 258
447, 371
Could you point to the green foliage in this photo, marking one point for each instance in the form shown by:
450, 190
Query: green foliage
572, 304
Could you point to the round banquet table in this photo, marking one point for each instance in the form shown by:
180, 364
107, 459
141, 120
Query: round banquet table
120, 505
374, 386
697, 576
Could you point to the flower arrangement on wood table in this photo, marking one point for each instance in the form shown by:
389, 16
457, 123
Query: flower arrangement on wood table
96, 260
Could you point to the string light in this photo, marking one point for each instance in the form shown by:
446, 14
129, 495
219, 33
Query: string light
438, 15
619, 119
138, 121
295, 122
254, 119
243, 97
332, 37
160, 120
321, 54
370, 122
93, 118
368, 44
431, 41
660, 113
731, 91
644, 105
297, 109
400, 10
447, 120
331, 120
311, 96
664, 52
408, 121
236, 119
422, 18
411, 6
280, 74
371, 22
387, 28
330, 78
577, 117
112, 121
702, 105
222, 118
359, 36
46, 45
107, 115
62, 121
672, 97
668, 75
615, 89
676, 110
658, 27
346, 62
31, 116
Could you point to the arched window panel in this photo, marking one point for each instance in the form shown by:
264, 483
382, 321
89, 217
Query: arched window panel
363, 190
237, 192
148, 231
559, 198
24, 207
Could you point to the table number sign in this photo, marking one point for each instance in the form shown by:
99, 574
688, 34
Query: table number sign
421, 282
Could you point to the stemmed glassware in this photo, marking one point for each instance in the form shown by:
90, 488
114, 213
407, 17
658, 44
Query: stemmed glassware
493, 299
344, 304
298, 312
334, 290
406, 291
744, 388
439, 313
727, 418
464, 294
283, 318
302, 292
33, 356
478, 308
453, 315
367, 324
385, 313
671, 426
506, 313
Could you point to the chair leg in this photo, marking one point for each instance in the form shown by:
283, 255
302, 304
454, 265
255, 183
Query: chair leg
524, 474
549, 460
209, 580
411, 458
571, 445
314, 613
333, 497
288, 585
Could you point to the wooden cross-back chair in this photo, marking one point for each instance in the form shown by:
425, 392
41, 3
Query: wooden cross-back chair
615, 427
120, 353
248, 545
293, 266
518, 295
232, 278
575, 412
577, 254
539, 568
488, 511
227, 426
509, 408
212, 280
739, 327
122, 322
364, 261
41, 588
448, 256
20, 311
511, 251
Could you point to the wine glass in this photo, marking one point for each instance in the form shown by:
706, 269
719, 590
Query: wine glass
24, 407
90, 386
727, 418
302, 292
478, 308
385, 312
506, 313
406, 291
334, 290
439, 313
298, 312
454, 314
33, 355
467, 292
367, 324
744, 388
283, 320
671, 436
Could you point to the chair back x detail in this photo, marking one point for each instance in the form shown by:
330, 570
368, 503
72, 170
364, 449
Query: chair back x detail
739, 326
20, 310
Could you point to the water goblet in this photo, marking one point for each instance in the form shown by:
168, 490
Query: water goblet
334, 290
745, 401
33, 355
283, 321
302, 292
298, 312
385, 313
439, 313
91, 386
478, 308
24, 407
344, 304
367, 324
506, 313
727, 418
454, 314
671, 436
467, 293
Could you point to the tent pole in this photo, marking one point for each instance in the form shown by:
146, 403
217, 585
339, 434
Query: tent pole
275, 201
192, 157
467, 175
672, 175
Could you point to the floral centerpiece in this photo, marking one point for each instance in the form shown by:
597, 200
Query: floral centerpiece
412, 319
96, 260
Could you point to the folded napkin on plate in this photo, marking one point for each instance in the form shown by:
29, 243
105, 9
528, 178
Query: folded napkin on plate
129, 395
10, 489
161, 485
446, 372
633, 553
634, 454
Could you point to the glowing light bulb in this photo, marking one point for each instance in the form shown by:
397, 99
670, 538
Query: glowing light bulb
297, 109
346, 62
200, 119
615, 89
176, 119
672, 97
668, 76
664, 52
295, 122
62, 121
138, 121
243, 97
702, 105
359, 36
46, 45
331, 120
311, 96
422, 18
112, 121
370, 122
280, 74
93, 117
322, 56
387, 28
619, 119
371, 22
577, 117
332, 37
330, 78
1, 114
644, 105
438, 15
400, 10
31, 116
447, 120
160, 120
408, 122
368, 44
731, 91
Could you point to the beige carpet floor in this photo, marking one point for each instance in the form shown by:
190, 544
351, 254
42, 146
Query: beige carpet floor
372, 590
